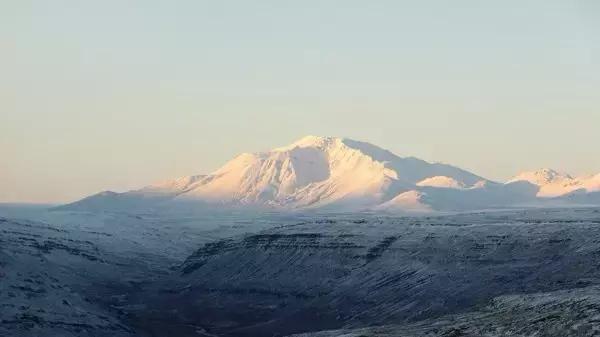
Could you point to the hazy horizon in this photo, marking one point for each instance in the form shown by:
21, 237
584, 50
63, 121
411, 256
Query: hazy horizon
108, 96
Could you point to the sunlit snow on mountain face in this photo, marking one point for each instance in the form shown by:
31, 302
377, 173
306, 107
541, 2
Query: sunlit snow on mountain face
340, 174
555, 184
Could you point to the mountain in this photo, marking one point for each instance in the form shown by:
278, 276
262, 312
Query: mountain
553, 184
541, 177
406, 201
319, 171
340, 174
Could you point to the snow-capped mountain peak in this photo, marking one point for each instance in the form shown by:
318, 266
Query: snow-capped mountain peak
441, 181
344, 174
541, 177
312, 172
310, 141
553, 184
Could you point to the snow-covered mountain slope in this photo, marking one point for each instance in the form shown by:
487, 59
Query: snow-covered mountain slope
555, 184
340, 174
541, 177
319, 171
313, 172
441, 181
408, 201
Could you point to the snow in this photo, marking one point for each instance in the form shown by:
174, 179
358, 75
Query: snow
441, 181
555, 184
173, 186
216, 274
410, 201
341, 174
410, 269
541, 177
318, 171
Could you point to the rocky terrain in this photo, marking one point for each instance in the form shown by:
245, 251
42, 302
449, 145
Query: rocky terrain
75, 274
49, 283
573, 312
519, 273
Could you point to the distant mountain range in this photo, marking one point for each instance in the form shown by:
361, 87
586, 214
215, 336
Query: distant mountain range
340, 174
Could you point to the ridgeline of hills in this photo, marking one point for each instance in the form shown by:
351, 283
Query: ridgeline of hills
339, 174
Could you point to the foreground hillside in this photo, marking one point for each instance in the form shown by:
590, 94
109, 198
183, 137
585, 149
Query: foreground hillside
48, 278
359, 272
565, 313
141, 274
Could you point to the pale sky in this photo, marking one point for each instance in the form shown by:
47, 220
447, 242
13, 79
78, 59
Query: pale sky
114, 95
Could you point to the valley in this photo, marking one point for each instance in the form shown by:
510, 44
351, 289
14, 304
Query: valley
280, 274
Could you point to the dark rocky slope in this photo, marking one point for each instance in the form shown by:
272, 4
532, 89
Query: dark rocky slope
496, 274
325, 275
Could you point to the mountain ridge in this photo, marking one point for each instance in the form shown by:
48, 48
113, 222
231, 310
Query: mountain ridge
554, 184
343, 174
